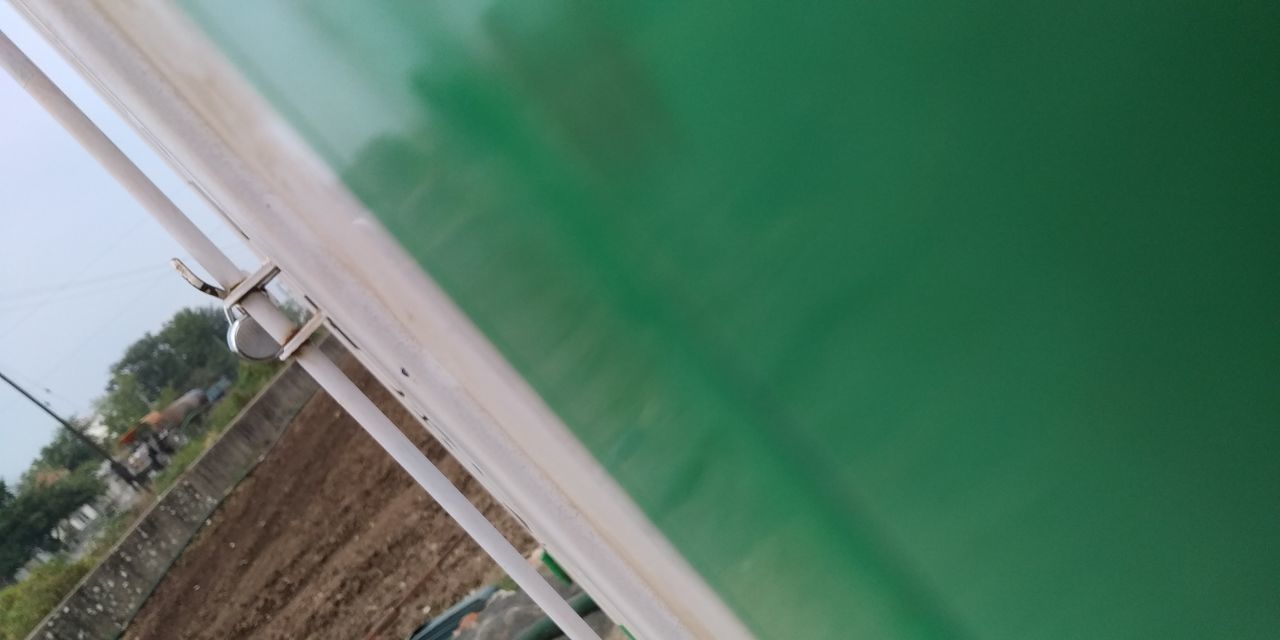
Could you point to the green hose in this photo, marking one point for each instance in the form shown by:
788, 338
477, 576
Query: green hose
555, 568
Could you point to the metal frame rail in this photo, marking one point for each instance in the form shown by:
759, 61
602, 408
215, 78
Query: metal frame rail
260, 307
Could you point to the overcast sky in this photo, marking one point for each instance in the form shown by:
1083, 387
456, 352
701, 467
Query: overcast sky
83, 269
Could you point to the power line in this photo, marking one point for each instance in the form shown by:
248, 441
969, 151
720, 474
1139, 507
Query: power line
118, 468
71, 296
100, 255
114, 242
102, 327
37, 384
70, 285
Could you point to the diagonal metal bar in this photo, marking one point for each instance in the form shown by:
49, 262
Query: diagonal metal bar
319, 366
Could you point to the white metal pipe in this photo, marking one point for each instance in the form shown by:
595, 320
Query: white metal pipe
420, 468
36, 83
451, 500
319, 366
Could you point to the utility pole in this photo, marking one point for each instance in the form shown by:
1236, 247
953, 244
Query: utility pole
118, 468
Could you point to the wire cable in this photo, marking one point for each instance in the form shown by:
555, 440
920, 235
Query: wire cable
102, 326
72, 285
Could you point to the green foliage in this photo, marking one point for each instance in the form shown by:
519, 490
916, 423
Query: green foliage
123, 405
56, 484
189, 352
66, 451
226, 410
179, 461
114, 529
252, 376
25, 604
250, 379
294, 312
166, 397
26, 519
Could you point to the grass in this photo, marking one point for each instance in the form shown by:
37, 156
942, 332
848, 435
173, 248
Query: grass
251, 378
24, 604
180, 461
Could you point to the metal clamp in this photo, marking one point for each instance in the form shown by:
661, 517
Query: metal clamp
244, 336
256, 280
302, 335
230, 298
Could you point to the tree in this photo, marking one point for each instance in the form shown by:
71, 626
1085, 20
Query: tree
123, 405
27, 519
188, 352
24, 605
66, 451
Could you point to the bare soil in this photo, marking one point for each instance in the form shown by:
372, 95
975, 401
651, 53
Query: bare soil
324, 539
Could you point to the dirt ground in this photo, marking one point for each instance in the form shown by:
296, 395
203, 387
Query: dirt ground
323, 540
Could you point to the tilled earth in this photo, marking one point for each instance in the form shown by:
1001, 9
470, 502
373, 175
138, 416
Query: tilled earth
326, 538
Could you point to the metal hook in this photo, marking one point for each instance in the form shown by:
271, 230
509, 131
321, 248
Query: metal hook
195, 280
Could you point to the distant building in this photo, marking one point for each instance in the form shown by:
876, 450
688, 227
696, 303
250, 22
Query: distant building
40, 557
77, 526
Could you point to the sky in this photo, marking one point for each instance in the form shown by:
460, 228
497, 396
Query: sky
84, 270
